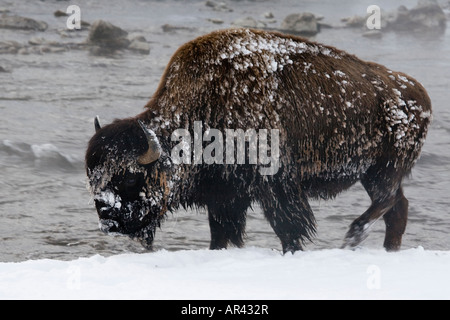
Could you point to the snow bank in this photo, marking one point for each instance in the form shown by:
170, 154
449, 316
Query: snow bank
251, 273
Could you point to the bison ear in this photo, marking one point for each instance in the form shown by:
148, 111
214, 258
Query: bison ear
154, 148
97, 124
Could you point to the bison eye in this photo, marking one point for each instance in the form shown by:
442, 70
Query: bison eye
130, 182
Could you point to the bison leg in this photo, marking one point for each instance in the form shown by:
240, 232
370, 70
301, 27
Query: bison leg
395, 221
359, 229
288, 212
227, 222
384, 189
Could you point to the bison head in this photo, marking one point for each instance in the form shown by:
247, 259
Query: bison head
128, 179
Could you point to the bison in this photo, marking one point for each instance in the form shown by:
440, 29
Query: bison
339, 120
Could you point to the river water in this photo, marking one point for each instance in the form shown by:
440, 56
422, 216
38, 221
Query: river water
48, 102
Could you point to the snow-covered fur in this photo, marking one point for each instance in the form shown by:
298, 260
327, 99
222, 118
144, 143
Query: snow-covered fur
340, 120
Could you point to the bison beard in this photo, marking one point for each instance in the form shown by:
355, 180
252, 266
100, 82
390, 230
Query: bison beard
340, 119
133, 220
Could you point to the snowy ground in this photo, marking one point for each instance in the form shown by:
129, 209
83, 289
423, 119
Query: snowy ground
251, 273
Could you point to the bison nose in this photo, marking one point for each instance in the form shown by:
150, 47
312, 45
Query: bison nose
104, 210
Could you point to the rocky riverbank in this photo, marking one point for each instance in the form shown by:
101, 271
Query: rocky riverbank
101, 37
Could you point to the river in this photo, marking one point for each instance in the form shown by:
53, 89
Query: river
48, 101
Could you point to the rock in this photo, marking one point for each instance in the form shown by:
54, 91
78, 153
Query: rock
172, 28
216, 21
59, 13
319, 17
11, 47
270, 18
36, 45
218, 6
36, 41
301, 23
3, 70
23, 51
43, 49
354, 22
249, 22
39, 41
103, 51
428, 16
21, 23
136, 36
360, 22
106, 39
107, 36
373, 34
324, 25
57, 49
139, 46
268, 15
169, 28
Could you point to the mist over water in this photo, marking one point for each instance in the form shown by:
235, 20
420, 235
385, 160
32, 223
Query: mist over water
48, 102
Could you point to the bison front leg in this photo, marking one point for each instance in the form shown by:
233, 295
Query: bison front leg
288, 212
227, 222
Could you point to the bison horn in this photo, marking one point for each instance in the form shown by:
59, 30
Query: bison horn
97, 124
154, 148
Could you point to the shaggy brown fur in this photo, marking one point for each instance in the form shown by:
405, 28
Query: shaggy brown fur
341, 120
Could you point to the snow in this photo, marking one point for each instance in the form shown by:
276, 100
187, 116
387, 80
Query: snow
250, 273
275, 51
400, 116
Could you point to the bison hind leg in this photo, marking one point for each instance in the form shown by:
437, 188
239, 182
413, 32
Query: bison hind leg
384, 188
395, 220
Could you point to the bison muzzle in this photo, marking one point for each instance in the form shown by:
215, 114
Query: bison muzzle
340, 120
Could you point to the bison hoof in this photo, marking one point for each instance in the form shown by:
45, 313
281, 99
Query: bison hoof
358, 233
292, 247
